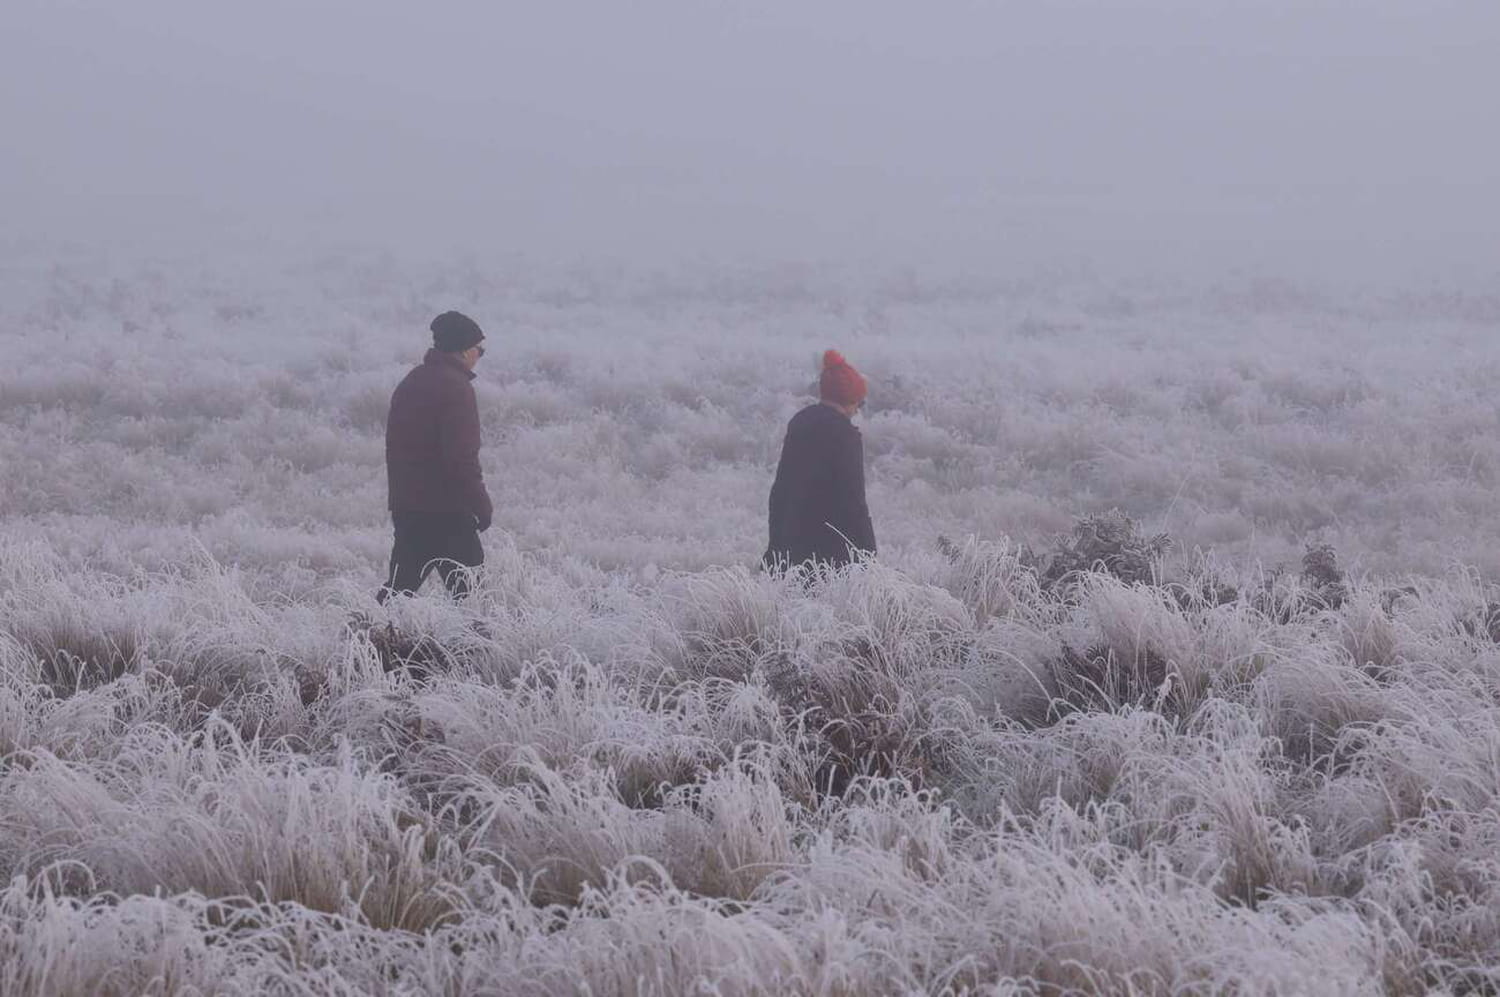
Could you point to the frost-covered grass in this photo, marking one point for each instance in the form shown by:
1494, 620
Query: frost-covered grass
631, 764
891, 781
633, 417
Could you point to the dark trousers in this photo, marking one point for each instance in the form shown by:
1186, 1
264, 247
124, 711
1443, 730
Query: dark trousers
426, 541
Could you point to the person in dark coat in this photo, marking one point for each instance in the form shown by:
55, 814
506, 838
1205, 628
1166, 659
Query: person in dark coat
818, 511
438, 501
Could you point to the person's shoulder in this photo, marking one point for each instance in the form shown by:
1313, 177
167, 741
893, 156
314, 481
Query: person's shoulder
822, 414
823, 425
811, 420
450, 375
830, 419
412, 378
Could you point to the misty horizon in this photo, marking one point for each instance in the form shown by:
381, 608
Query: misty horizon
1300, 139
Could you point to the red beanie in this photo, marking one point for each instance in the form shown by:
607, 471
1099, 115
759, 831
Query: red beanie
839, 382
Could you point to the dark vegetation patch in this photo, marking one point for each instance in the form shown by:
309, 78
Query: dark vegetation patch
70, 660
858, 721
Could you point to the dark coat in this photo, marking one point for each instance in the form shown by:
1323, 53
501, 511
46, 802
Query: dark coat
818, 508
432, 442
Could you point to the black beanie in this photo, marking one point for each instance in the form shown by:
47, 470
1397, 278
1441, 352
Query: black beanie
454, 332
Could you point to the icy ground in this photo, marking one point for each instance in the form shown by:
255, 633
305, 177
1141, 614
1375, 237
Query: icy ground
633, 765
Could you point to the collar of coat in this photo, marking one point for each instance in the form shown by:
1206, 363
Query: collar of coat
438, 358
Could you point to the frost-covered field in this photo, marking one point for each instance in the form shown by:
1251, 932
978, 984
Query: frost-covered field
631, 764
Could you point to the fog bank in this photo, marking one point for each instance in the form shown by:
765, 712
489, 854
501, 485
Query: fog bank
1301, 138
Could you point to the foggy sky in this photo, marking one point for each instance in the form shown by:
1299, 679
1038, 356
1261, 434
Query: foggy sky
1358, 137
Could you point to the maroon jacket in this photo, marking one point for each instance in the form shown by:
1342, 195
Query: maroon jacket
432, 442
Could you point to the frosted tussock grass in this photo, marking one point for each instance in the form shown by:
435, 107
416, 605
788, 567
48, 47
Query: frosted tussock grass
632, 763
862, 785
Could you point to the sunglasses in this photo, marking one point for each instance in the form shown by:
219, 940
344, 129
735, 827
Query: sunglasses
480, 348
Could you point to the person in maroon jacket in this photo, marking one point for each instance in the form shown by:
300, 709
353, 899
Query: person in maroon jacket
818, 511
438, 501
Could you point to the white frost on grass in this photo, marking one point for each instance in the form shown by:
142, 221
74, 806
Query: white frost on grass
649, 810
631, 763
632, 417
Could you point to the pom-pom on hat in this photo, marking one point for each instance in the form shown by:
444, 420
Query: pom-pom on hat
839, 382
454, 332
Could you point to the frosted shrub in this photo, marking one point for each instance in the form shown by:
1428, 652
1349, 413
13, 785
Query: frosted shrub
636, 935
558, 836
1110, 543
1010, 672
1220, 802
114, 947
1146, 649
1310, 696
729, 832
56, 621
858, 722
900, 626
721, 624
989, 576
216, 820
1372, 639
1047, 904
563, 717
